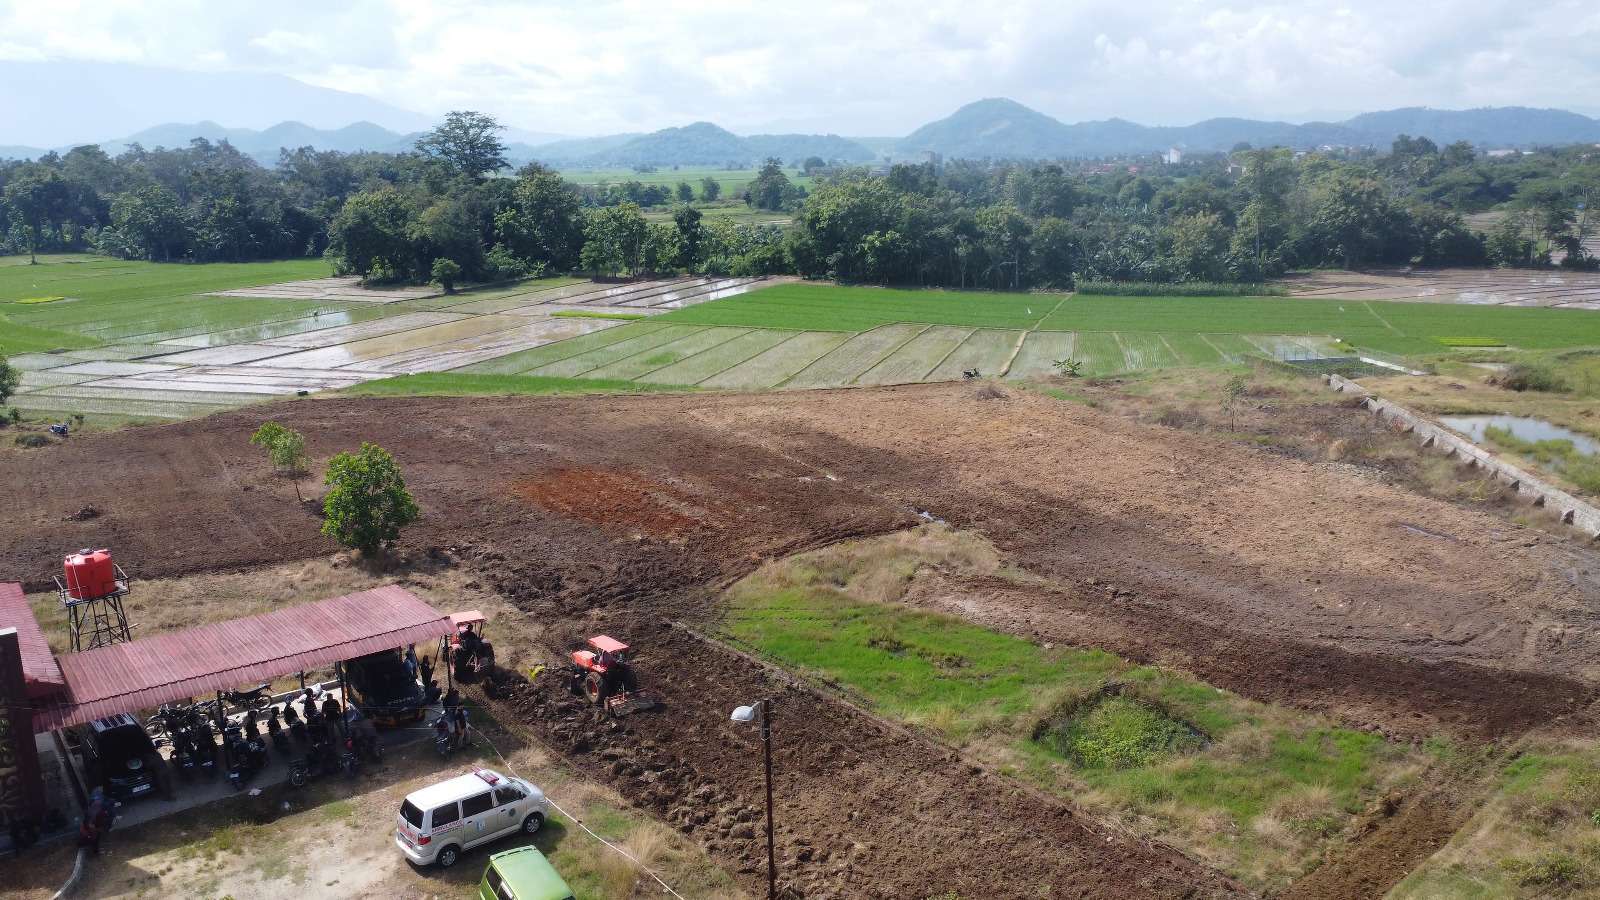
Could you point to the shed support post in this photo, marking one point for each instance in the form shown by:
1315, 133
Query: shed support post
222, 728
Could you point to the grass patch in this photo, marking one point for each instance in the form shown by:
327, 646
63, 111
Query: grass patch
1471, 342
449, 384
1261, 798
1558, 454
1112, 730
29, 301
1536, 835
586, 314
1182, 289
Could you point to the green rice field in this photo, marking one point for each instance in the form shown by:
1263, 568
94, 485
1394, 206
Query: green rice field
108, 300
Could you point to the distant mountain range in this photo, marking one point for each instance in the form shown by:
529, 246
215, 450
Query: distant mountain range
700, 144
986, 129
1000, 128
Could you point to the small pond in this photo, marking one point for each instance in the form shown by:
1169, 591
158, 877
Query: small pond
1522, 427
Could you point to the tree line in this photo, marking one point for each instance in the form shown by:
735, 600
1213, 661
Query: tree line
451, 210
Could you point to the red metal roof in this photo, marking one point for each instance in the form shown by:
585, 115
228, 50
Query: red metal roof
608, 644
39, 669
469, 617
148, 672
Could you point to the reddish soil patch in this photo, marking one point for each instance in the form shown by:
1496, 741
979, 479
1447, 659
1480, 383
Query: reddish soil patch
1279, 578
614, 500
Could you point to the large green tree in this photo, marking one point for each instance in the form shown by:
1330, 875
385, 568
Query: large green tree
367, 502
370, 236
543, 220
468, 142
614, 240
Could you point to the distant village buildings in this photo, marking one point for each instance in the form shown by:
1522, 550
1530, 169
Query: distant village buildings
1172, 157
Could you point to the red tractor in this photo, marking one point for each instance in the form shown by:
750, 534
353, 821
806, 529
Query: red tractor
604, 677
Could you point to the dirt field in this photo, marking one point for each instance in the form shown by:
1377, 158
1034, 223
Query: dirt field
1309, 584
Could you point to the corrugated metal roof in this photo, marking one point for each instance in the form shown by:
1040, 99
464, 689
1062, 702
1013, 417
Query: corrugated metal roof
148, 672
39, 667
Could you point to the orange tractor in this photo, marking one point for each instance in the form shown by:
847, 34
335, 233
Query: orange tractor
604, 677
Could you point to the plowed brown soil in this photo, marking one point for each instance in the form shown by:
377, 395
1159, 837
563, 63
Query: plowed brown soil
1284, 580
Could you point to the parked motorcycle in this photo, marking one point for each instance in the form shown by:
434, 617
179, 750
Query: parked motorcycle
318, 759
246, 757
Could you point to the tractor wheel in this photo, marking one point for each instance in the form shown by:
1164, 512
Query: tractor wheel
594, 689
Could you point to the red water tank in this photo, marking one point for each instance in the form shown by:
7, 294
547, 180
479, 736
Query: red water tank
90, 574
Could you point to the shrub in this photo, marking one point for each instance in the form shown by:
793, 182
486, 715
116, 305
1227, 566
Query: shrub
1533, 376
447, 272
10, 379
285, 447
367, 502
32, 440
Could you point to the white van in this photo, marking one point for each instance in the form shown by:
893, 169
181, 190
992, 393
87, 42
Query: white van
440, 821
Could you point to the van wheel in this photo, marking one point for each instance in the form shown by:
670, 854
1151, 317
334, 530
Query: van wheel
532, 823
447, 856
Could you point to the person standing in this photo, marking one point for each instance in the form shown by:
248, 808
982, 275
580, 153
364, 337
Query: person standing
96, 821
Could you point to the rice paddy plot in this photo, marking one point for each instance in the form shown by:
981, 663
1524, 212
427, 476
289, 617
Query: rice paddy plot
917, 357
328, 337
1100, 353
1192, 350
155, 409
1234, 348
524, 295
222, 356
646, 361
583, 363
526, 360
756, 359
854, 357
812, 307
1040, 350
38, 362
986, 350
43, 379
265, 331
1145, 350
96, 392
373, 350
115, 368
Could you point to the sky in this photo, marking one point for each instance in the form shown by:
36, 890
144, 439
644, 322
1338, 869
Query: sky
854, 67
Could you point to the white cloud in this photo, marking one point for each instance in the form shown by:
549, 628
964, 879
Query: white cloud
855, 67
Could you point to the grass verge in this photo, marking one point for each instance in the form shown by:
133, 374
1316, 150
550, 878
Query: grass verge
1182, 289
1259, 791
447, 384
585, 314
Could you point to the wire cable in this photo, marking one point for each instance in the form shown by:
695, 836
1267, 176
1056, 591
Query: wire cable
635, 860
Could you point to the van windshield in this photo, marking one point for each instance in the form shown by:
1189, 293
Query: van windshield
411, 814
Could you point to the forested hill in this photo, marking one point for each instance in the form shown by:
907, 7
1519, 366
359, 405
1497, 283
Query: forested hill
700, 144
1004, 129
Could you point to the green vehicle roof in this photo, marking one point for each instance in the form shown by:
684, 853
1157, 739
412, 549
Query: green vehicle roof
530, 875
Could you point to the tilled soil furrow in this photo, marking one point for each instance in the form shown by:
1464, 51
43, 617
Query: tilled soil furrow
862, 810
